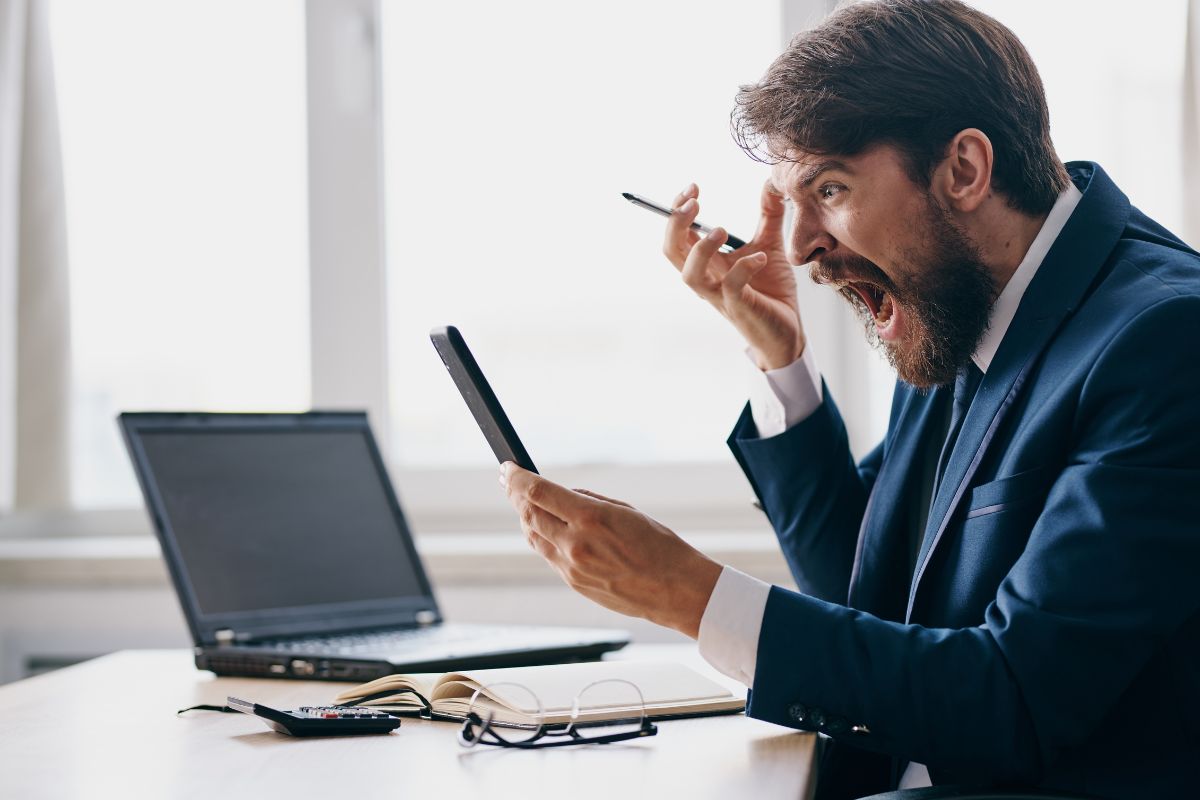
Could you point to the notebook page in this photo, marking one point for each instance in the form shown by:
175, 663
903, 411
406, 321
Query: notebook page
556, 685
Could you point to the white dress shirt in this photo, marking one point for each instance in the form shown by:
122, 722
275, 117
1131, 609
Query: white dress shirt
781, 398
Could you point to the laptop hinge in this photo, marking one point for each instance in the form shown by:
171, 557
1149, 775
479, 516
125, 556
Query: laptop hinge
225, 636
426, 617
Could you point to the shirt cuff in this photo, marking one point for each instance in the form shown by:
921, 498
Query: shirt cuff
731, 623
915, 776
781, 398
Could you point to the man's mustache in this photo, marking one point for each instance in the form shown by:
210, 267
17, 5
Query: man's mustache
838, 270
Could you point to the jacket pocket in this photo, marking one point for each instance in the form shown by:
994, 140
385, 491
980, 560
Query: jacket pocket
1030, 486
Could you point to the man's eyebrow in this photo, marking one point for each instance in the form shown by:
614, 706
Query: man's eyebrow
812, 172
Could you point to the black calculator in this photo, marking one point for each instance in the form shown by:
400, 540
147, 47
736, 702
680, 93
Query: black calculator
320, 720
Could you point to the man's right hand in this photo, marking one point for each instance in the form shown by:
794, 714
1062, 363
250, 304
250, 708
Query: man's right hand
753, 287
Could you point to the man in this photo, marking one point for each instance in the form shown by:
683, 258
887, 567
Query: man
1003, 592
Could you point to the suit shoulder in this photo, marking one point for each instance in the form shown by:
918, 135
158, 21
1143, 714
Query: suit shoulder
1137, 399
1150, 258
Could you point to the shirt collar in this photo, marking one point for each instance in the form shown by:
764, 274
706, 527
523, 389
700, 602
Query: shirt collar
1005, 307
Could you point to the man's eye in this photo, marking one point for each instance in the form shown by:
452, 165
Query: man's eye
829, 190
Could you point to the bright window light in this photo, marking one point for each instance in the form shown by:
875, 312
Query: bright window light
183, 125
1114, 83
511, 131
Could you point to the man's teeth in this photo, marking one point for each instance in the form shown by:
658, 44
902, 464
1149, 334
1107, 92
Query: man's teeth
884, 314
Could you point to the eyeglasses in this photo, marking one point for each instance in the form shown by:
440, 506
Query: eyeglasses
603, 712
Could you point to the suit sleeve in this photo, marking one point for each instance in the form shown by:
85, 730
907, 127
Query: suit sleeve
1107, 578
812, 492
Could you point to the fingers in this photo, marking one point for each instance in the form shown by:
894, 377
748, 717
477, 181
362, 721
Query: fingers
542, 529
742, 272
541, 545
679, 236
541, 521
696, 272
599, 496
689, 191
557, 501
772, 209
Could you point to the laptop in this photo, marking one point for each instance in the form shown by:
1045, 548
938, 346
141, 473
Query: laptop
292, 558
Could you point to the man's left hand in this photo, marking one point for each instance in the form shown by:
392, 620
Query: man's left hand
612, 553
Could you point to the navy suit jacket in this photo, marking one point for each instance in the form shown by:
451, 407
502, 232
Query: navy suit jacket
1050, 633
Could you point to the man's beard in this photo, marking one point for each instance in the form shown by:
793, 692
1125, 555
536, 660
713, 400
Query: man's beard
946, 293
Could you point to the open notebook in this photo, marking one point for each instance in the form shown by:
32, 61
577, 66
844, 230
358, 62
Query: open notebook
668, 689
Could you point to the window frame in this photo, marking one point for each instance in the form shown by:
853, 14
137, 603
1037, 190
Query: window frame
349, 316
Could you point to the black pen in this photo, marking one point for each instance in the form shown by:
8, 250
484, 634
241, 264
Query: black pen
732, 242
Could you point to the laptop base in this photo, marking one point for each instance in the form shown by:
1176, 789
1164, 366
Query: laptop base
247, 662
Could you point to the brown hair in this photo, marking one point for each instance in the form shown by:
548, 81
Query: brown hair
910, 73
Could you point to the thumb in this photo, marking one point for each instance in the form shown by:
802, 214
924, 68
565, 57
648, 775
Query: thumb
773, 210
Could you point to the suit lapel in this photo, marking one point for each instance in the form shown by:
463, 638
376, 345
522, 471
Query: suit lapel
1061, 283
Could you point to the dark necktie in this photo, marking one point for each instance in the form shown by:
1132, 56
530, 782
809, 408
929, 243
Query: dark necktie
965, 386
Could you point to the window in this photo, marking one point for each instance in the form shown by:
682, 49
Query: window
511, 131
1114, 83
183, 127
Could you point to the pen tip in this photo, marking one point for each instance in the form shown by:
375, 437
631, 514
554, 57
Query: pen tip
627, 195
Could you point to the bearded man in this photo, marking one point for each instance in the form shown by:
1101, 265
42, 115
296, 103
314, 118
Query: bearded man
1004, 592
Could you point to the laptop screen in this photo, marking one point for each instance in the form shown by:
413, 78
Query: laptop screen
280, 517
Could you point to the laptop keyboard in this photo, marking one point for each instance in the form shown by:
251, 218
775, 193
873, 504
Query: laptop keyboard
398, 641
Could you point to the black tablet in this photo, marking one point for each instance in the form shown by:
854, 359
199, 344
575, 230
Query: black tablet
480, 398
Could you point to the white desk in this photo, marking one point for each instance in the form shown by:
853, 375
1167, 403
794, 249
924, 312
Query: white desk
107, 728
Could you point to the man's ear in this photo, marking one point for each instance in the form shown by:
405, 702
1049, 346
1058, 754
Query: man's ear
964, 178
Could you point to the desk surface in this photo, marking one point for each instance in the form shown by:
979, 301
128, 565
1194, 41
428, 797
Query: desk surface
107, 728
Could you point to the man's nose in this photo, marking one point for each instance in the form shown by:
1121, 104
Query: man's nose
810, 240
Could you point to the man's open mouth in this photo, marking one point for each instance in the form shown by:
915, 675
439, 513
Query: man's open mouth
877, 301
